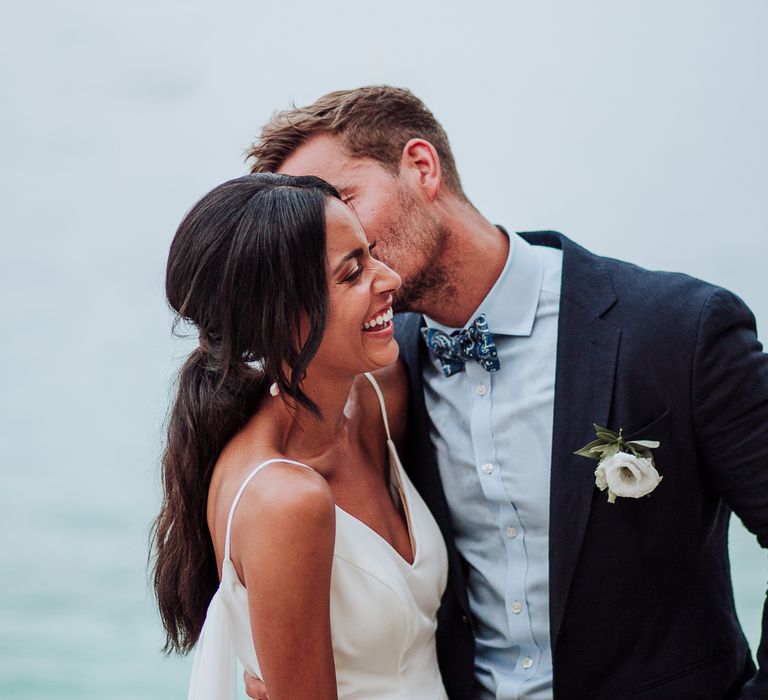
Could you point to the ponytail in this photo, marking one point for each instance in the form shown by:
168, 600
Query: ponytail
211, 406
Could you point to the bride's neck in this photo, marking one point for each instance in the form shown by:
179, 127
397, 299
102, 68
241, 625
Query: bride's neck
303, 433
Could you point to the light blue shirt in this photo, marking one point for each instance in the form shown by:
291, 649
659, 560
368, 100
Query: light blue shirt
493, 438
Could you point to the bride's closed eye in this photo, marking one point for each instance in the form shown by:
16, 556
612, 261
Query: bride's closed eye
358, 271
355, 274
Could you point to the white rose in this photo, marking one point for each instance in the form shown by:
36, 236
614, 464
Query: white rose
627, 476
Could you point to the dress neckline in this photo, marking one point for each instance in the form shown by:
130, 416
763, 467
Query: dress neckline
395, 478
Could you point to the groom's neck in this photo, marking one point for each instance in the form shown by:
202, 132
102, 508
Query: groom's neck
472, 259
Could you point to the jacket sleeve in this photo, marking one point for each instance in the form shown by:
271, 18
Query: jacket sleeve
730, 409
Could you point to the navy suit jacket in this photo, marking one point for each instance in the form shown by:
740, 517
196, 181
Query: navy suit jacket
641, 603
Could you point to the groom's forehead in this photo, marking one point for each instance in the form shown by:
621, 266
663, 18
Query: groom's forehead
322, 154
326, 156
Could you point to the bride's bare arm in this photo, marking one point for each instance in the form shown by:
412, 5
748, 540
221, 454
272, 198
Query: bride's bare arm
283, 538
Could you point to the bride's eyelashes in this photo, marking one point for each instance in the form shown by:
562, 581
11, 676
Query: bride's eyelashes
355, 274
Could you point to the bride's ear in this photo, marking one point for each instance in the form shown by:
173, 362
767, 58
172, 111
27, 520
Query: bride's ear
420, 168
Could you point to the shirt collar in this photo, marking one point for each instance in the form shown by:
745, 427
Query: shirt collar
510, 306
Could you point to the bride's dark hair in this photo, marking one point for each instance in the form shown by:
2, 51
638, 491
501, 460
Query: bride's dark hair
247, 263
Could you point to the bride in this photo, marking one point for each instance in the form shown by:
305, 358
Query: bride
289, 534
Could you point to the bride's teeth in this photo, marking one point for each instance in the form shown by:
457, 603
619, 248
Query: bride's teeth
380, 320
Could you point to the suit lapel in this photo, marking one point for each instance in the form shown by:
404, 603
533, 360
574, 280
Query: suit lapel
587, 350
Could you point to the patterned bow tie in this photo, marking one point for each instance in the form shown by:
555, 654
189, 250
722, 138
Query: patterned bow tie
454, 350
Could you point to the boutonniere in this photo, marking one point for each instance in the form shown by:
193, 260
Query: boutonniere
624, 467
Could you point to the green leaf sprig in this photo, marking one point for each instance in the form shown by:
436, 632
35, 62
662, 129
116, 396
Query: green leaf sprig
609, 443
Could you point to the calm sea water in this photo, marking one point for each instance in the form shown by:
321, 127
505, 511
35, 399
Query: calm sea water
76, 620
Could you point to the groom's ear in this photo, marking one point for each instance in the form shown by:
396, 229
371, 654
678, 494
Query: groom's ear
420, 168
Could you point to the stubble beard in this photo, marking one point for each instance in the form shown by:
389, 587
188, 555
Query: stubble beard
420, 292
415, 236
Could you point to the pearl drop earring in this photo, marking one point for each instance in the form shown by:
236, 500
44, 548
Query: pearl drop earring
274, 389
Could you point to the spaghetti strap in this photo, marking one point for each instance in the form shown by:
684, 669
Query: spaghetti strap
377, 389
240, 493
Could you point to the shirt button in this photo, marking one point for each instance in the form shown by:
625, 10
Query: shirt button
517, 607
511, 532
527, 662
480, 389
487, 467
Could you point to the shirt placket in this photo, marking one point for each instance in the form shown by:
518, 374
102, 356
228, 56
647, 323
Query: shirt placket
510, 526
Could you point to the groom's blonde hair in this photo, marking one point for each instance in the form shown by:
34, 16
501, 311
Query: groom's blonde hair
372, 122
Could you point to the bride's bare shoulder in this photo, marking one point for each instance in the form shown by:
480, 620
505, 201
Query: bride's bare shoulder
276, 493
279, 483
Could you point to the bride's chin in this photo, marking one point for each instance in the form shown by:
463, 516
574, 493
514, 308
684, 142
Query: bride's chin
386, 357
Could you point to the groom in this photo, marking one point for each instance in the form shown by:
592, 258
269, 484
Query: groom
554, 590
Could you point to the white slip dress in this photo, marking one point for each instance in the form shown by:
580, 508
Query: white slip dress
383, 609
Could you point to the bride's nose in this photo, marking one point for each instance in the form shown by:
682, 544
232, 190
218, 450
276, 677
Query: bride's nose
387, 280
